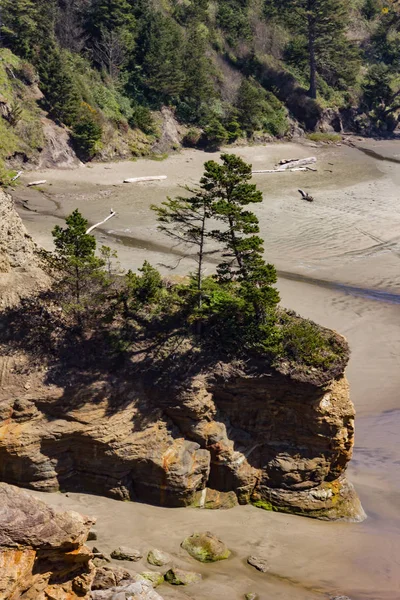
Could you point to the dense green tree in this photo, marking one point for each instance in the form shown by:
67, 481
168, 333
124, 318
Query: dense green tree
81, 271
322, 25
61, 96
259, 110
18, 25
228, 185
382, 96
159, 55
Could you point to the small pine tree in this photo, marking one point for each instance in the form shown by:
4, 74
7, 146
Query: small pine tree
81, 271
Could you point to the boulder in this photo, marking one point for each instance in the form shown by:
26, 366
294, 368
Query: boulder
177, 576
42, 552
214, 500
158, 558
92, 537
139, 590
251, 596
206, 547
125, 553
108, 577
154, 577
258, 563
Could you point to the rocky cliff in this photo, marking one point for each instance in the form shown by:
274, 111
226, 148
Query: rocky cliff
279, 443
42, 553
20, 267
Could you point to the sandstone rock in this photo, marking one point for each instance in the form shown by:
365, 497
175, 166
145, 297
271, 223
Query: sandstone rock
214, 500
108, 577
141, 590
206, 547
158, 558
251, 596
154, 577
42, 552
125, 553
180, 577
261, 564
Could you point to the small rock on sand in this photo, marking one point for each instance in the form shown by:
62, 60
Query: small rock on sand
158, 558
258, 563
180, 577
124, 553
154, 577
206, 547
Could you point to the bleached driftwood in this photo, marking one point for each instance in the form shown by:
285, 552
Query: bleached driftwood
110, 216
280, 170
139, 179
17, 176
290, 164
41, 182
306, 196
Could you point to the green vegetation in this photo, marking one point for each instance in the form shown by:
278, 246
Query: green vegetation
228, 69
97, 315
318, 136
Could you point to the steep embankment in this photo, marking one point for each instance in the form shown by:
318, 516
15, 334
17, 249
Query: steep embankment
247, 430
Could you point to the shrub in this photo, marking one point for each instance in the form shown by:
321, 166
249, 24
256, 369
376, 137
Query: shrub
319, 136
216, 134
142, 119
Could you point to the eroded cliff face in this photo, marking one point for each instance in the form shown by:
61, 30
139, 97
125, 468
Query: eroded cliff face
20, 269
278, 443
42, 552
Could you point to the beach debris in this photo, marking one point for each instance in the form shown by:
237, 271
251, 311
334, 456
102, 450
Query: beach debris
296, 162
258, 563
140, 179
306, 196
124, 553
280, 170
40, 182
110, 216
25, 205
206, 547
157, 558
180, 577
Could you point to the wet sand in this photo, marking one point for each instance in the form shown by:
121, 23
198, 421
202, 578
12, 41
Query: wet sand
339, 259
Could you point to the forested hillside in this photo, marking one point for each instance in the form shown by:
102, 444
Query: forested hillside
228, 69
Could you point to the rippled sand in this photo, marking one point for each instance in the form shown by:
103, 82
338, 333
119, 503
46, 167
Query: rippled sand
339, 259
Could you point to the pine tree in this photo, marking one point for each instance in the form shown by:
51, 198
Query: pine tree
80, 269
323, 24
230, 193
185, 221
18, 26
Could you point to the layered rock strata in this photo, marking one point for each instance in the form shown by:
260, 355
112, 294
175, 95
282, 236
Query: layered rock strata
278, 443
42, 552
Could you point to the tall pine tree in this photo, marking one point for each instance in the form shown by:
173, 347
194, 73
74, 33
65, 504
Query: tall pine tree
322, 24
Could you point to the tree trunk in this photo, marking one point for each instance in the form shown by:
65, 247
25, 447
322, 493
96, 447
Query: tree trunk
312, 92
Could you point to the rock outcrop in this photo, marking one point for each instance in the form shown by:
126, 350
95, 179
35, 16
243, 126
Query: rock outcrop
244, 432
42, 552
278, 443
20, 270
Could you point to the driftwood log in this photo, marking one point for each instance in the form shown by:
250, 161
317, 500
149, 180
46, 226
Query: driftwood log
280, 170
298, 162
41, 182
139, 179
110, 216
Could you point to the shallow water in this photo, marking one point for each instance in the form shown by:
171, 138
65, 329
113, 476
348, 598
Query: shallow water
339, 260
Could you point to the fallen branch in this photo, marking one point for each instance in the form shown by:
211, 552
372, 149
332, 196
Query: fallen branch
110, 216
139, 179
41, 182
17, 176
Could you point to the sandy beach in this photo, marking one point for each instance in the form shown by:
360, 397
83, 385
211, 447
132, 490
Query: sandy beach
339, 260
